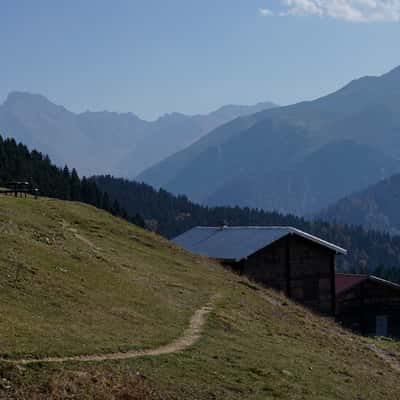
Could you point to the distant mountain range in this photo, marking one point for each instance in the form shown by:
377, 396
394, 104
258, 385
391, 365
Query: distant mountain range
298, 158
106, 142
376, 207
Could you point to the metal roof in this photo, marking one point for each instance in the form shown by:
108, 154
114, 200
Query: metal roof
345, 282
239, 242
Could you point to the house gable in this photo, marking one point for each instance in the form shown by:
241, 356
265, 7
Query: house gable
238, 243
285, 258
302, 269
370, 305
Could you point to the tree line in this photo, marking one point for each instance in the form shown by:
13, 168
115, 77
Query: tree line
368, 251
169, 215
18, 163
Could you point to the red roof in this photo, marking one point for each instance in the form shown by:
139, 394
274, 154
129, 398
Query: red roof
346, 281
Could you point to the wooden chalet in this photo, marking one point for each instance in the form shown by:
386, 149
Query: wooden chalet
368, 304
284, 258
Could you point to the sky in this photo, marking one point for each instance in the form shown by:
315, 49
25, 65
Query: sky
152, 57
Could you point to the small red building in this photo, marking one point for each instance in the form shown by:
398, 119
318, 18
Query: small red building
368, 304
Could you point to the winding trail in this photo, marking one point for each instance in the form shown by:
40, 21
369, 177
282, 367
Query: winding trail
66, 226
190, 336
391, 358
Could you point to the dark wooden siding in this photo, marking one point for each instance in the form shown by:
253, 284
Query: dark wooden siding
300, 268
359, 307
310, 274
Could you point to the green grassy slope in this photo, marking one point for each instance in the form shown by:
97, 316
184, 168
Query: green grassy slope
75, 280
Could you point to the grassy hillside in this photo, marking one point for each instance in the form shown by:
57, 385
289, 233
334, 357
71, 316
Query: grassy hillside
75, 280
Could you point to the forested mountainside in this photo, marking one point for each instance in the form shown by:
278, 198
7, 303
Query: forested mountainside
298, 158
376, 207
98, 142
18, 163
172, 215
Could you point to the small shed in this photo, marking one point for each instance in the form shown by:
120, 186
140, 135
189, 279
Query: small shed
284, 258
368, 304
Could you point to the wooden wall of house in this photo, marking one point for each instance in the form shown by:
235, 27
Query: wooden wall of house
359, 307
269, 266
302, 269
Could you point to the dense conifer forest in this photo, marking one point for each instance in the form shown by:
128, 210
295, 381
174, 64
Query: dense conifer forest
169, 215
369, 251
17, 163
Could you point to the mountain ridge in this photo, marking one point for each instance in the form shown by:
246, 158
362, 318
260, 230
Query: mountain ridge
375, 207
365, 112
105, 141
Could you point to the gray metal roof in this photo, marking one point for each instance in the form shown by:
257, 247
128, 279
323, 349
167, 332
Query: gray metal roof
384, 281
238, 242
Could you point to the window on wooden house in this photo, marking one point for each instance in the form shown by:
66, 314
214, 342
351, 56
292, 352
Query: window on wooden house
381, 326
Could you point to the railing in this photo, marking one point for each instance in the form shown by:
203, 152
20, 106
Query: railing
19, 189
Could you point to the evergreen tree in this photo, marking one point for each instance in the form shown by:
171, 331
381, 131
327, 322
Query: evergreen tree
105, 202
66, 183
75, 186
17, 163
116, 209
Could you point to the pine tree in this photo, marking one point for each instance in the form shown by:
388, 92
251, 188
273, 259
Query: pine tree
75, 186
66, 179
116, 209
105, 202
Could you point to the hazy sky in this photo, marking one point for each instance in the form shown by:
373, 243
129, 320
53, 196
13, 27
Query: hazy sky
152, 57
